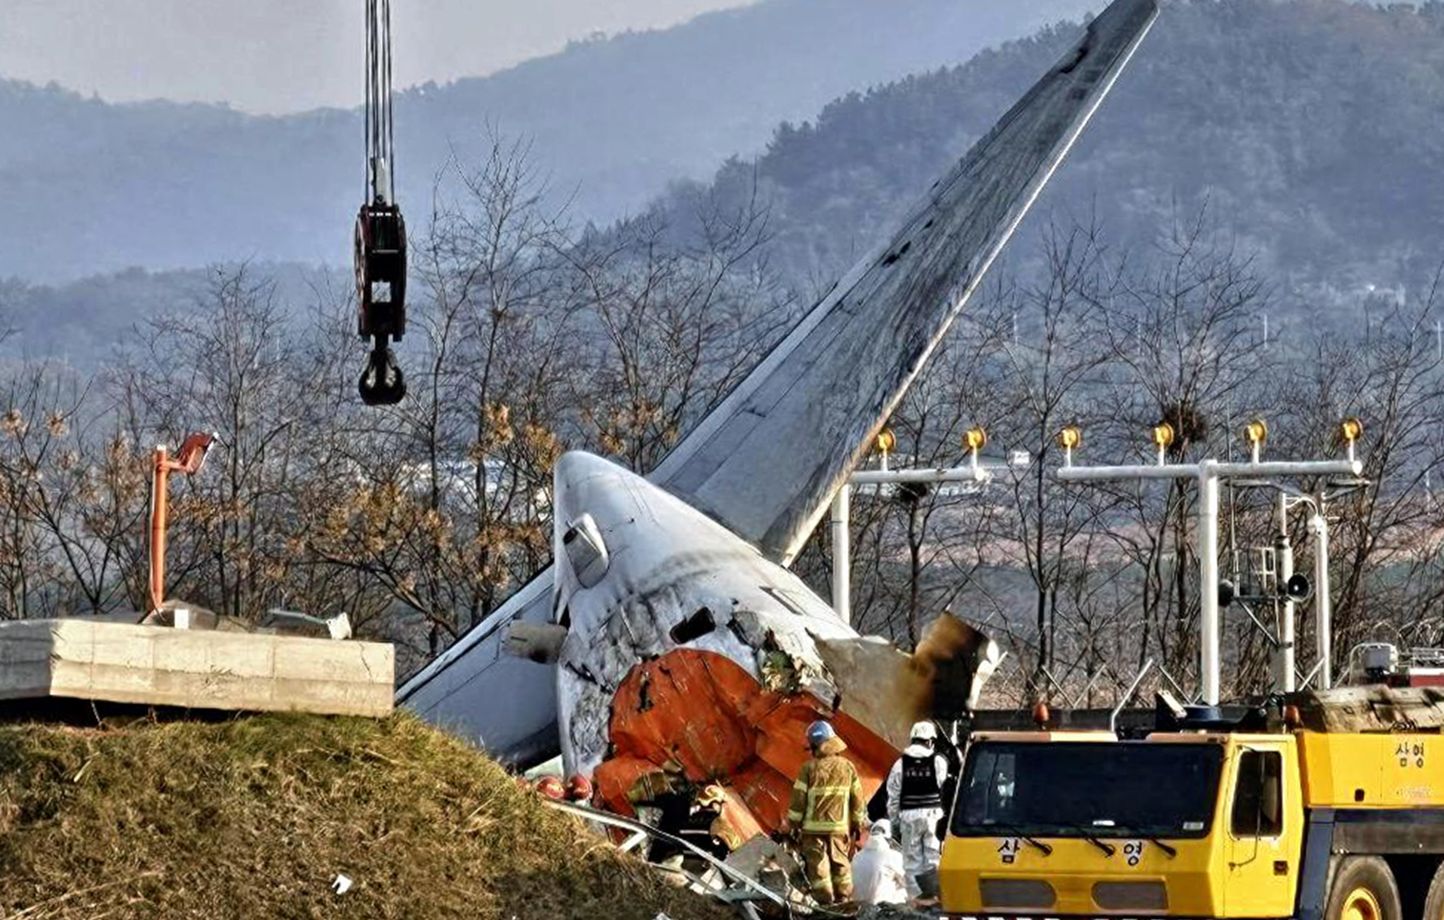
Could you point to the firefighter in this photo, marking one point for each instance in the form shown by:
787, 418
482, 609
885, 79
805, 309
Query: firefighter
670, 792
579, 790
915, 805
826, 815
709, 828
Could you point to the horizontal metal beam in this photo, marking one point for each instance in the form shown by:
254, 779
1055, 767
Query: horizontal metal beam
897, 477
1211, 468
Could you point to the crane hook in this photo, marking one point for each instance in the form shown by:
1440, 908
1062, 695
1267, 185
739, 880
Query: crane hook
382, 383
381, 298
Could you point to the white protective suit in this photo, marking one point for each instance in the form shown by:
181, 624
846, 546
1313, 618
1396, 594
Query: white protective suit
918, 827
878, 876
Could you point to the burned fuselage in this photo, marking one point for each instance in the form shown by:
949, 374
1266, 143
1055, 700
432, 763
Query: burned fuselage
686, 643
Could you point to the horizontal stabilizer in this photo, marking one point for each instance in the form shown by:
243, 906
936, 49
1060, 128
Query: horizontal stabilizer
888, 690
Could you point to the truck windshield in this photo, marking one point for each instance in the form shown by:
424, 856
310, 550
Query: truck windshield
1087, 789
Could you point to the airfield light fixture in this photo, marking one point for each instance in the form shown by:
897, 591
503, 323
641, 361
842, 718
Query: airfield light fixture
1256, 433
1163, 437
885, 443
1070, 439
1351, 430
975, 438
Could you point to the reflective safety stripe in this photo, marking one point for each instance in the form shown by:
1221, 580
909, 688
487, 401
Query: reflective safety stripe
797, 807
827, 811
827, 797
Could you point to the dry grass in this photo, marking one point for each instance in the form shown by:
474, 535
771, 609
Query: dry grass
254, 817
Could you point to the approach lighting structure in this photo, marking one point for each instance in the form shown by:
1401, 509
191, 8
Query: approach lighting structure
1070, 439
1351, 430
1256, 433
885, 442
975, 439
1163, 437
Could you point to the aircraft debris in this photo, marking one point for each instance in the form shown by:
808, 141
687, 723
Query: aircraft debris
722, 881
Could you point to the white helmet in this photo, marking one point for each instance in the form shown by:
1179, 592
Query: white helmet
924, 731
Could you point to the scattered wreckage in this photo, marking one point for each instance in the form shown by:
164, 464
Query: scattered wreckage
762, 879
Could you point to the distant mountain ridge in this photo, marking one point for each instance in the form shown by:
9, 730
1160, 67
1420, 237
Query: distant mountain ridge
1309, 130
161, 185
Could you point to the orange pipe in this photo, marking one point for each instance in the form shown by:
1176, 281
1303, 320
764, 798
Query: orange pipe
159, 484
188, 462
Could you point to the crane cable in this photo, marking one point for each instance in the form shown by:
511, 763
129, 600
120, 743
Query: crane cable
380, 147
380, 230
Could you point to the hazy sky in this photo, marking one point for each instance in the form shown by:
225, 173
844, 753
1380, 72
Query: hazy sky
287, 55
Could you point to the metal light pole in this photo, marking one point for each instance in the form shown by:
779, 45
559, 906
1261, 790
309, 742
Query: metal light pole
975, 471
1323, 603
1284, 559
884, 443
1321, 675
842, 553
1208, 473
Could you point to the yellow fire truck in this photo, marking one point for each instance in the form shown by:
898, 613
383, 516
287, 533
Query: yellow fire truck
1329, 806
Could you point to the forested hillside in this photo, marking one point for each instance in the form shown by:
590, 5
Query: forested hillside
1309, 130
97, 187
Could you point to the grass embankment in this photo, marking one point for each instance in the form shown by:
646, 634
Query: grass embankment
255, 816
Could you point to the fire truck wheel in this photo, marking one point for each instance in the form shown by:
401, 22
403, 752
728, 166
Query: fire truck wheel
1363, 889
1434, 901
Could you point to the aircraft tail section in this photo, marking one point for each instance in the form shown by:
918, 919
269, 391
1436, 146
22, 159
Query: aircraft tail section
767, 461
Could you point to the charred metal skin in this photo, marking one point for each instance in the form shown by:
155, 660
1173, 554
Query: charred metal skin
669, 566
685, 643
765, 463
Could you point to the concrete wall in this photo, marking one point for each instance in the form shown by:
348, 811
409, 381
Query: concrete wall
161, 666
